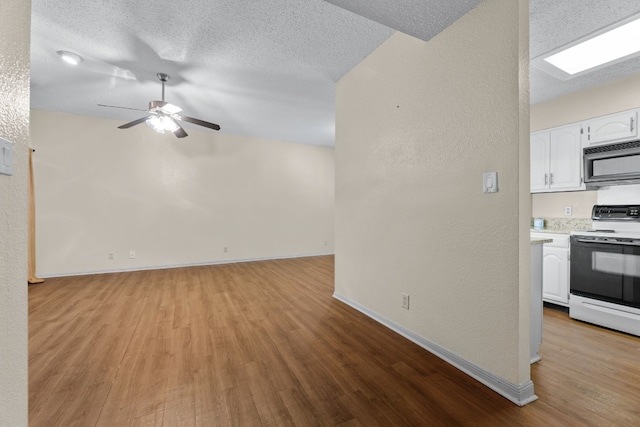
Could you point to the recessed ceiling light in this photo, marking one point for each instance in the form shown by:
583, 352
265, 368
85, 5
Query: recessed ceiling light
606, 46
70, 57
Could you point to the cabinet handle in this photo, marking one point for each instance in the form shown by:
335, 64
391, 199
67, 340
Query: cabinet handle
550, 179
546, 179
631, 125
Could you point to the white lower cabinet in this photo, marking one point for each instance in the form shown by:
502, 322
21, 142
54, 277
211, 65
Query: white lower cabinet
555, 268
555, 275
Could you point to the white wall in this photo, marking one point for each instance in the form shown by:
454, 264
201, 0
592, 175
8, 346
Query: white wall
618, 95
15, 24
174, 201
612, 97
551, 205
417, 125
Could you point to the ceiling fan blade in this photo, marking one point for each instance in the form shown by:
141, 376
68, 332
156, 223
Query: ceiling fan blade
124, 108
180, 133
133, 123
197, 121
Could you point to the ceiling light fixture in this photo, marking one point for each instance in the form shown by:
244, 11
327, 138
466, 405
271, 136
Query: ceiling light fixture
70, 57
162, 124
604, 47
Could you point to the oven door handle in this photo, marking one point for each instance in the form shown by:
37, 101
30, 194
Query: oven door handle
608, 242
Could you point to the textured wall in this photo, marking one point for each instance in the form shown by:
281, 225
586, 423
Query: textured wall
551, 205
174, 201
417, 125
14, 126
608, 98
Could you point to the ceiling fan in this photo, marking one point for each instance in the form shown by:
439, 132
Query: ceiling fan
164, 116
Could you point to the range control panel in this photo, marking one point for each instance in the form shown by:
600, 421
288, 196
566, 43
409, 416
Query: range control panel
616, 213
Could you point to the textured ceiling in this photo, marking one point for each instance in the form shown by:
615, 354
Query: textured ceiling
555, 23
262, 68
419, 18
257, 67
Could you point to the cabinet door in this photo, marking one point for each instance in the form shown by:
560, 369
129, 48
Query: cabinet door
565, 155
613, 128
539, 146
555, 275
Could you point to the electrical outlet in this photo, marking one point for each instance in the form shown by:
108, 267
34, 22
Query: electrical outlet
568, 210
405, 301
110, 255
132, 254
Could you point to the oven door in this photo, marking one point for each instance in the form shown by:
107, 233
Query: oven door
608, 271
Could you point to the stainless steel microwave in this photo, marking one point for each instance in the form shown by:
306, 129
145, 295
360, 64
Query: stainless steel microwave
612, 164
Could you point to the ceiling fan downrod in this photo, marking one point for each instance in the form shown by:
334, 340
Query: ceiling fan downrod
163, 78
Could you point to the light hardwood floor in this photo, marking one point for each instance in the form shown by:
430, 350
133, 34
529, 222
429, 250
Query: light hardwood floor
265, 344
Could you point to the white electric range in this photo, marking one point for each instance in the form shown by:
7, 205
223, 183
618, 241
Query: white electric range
604, 284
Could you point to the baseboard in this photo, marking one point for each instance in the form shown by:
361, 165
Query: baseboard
557, 307
196, 264
520, 394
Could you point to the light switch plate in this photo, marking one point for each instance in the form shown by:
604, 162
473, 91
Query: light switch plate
490, 182
6, 157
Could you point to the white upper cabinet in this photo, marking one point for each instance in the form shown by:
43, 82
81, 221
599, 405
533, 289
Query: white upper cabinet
556, 159
539, 161
565, 154
618, 127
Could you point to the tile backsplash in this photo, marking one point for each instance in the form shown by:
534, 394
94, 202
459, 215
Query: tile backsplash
565, 225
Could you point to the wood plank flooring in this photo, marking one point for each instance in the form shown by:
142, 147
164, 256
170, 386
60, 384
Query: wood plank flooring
265, 344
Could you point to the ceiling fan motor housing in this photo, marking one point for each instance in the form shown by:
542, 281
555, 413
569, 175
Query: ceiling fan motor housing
156, 105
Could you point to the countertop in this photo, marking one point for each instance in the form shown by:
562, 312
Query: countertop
564, 225
536, 241
553, 231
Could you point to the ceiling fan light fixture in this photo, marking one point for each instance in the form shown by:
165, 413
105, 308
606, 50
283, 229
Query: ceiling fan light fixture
155, 124
169, 124
162, 123
70, 58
